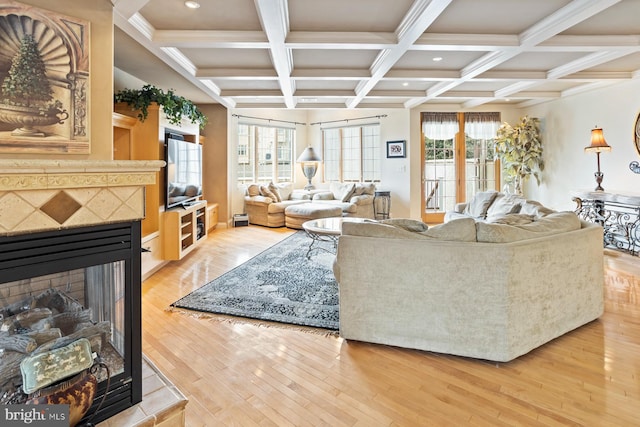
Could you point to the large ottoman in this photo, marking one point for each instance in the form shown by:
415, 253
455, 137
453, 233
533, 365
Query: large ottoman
296, 215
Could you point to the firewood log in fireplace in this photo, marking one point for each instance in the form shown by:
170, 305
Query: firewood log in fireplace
20, 343
25, 319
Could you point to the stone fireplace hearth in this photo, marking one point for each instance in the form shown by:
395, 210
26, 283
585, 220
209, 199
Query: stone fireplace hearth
77, 204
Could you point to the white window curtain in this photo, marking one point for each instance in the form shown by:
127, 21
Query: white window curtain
440, 126
482, 125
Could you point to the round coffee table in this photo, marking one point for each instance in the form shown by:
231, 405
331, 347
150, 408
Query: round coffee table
325, 230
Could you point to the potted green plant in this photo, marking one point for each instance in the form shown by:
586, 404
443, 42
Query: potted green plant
520, 150
175, 107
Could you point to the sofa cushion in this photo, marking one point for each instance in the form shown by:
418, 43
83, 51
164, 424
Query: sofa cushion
253, 190
364, 188
406, 224
458, 230
285, 189
265, 191
479, 204
371, 228
325, 195
341, 191
504, 204
531, 207
554, 223
346, 207
272, 187
513, 219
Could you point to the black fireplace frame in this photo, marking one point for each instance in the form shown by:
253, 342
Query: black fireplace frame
28, 255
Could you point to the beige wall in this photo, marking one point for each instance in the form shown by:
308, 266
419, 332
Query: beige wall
100, 15
215, 158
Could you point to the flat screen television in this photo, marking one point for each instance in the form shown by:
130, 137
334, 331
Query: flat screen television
183, 173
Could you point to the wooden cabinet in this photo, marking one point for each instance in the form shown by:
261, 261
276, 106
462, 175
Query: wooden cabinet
212, 216
183, 230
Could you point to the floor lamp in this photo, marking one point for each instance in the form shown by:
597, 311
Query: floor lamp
309, 161
598, 144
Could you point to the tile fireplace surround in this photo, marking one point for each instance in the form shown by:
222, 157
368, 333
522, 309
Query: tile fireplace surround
39, 195
42, 195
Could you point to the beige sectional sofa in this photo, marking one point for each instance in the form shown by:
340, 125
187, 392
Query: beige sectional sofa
266, 203
485, 290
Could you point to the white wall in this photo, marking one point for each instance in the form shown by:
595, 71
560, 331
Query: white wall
566, 130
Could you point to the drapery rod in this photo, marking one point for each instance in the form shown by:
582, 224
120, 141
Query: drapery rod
347, 120
269, 120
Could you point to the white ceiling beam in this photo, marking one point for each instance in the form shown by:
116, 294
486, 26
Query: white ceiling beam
142, 32
274, 17
237, 73
513, 88
198, 39
565, 17
330, 74
314, 93
127, 8
414, 24
475, 102
422, 75
585, 62
340, 40
394, 93
575, 43
262, 93
465, 42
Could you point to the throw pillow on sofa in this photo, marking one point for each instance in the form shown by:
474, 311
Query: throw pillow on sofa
531, 207
341, 191
274, 190
504, 204
554, 223
285, 189
456, 230
253, 190
479, 204
264, 190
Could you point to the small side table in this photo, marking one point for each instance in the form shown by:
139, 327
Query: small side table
382, 204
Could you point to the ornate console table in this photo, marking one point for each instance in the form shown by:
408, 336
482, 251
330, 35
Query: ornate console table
619, 215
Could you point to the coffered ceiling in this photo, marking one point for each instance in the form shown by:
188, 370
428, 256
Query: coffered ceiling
378, 53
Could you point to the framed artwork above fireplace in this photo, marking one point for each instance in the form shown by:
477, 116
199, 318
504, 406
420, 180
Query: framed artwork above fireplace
44, 82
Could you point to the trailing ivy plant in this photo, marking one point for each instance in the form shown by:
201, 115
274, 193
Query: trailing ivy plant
175, 107
520, 150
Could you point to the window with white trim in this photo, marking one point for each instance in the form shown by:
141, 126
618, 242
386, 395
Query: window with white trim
265, 153
352, 153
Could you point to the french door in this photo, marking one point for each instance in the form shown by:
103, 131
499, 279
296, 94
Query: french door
458, 159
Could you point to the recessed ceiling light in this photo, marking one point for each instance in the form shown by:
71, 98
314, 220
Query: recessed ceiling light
405, 84
437, 58
192, 4
308, 99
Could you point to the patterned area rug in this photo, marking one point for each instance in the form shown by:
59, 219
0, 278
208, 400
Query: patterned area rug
280, 285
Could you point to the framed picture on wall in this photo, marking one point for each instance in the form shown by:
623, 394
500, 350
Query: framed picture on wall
396, 149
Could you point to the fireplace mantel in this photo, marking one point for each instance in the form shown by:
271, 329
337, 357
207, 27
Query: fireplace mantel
38, 195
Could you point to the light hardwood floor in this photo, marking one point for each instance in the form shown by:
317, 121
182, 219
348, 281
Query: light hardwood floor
242, 374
